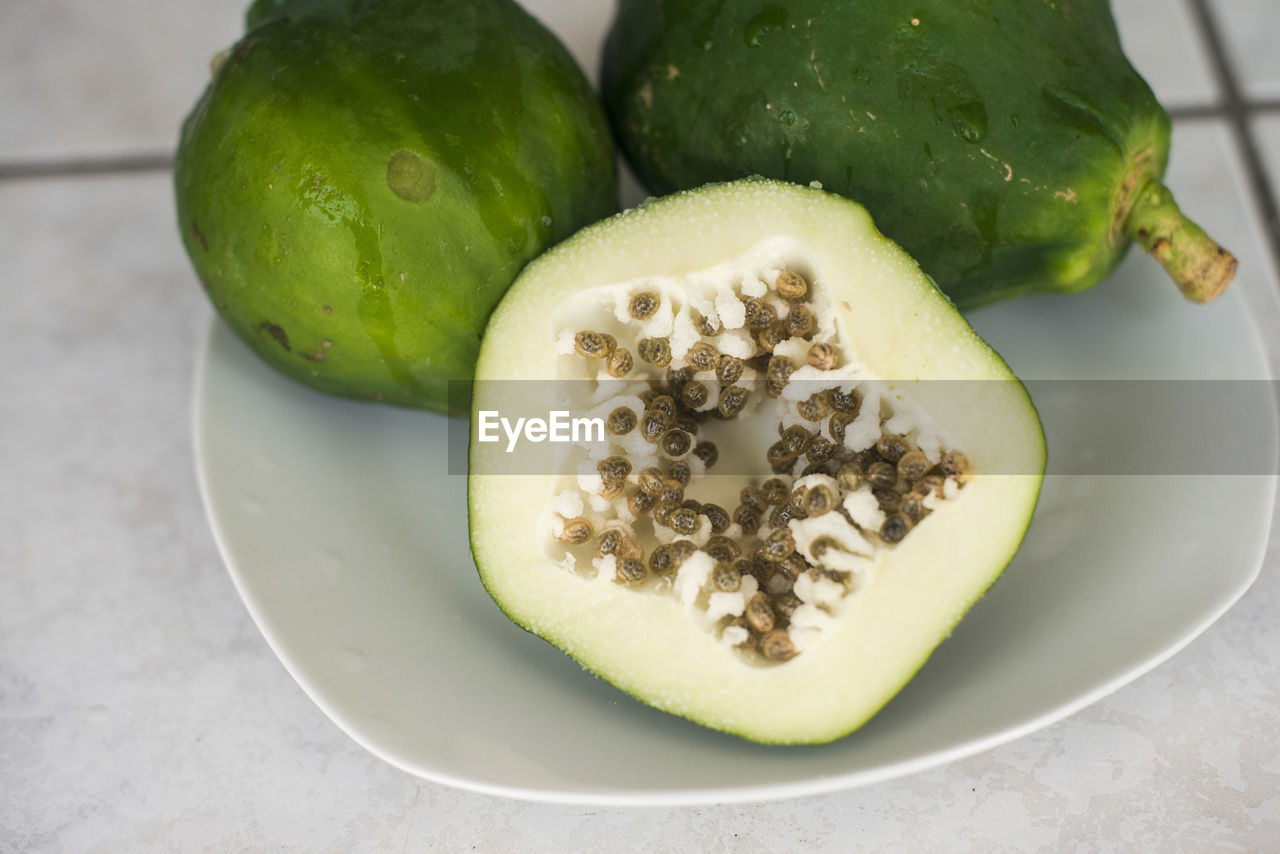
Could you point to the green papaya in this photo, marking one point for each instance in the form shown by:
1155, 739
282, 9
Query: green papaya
363, 179
1009, 146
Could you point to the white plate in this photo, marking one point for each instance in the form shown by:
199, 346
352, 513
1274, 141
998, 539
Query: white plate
347, 538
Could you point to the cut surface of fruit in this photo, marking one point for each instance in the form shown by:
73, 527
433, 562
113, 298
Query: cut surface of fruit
805, 466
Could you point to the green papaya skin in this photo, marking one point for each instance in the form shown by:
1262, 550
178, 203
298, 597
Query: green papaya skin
1008, 145
363, 179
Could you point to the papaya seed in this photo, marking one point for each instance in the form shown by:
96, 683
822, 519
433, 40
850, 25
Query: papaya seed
776, 645
703, 356
895, 528
732, 401
779, 545
643, 305
954, 464
891, 447
791, 286
653, 423
614, 469
822, 356
800, 322
759, 613
590, 345
665, 403
620, 362
914, 465
796, 439
629, 570
726, 577
881, 475
639, 503
656, 351
675, 442
661, 560
844, 401
651, 480
728, 370
818, 499
684, 521
815, 407
609, 542
694, 395
576, 531
753, 498
621, 421
707, 452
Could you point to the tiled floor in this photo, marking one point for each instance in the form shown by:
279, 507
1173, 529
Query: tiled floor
202, 741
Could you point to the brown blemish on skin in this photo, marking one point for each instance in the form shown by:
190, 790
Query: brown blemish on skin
276, 332
411, 177
318, 355
199, 235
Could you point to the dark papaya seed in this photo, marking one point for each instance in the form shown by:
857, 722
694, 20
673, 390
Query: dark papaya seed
576, 531
644, 305
791, 286
621, 421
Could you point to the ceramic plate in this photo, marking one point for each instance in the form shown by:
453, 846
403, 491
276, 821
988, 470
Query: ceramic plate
346, 535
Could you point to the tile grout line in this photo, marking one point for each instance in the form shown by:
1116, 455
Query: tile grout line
19, 170
1237, 112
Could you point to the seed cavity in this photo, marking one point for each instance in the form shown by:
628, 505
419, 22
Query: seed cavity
776, 557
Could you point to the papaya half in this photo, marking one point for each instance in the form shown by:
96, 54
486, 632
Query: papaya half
1009, 146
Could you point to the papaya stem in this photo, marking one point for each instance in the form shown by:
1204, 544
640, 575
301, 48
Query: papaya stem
1198, 266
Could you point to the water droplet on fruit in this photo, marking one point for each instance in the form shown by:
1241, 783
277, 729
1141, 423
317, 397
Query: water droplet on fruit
969, 121
767, 20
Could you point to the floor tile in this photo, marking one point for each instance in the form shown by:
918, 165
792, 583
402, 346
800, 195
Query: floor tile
1250, 30
1212, 187
1266, 132
83, 79
1164, 44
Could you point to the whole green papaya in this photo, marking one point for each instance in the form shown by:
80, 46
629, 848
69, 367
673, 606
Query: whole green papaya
1008, 145
363, 179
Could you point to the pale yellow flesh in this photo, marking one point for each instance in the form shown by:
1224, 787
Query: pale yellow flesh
905, 330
